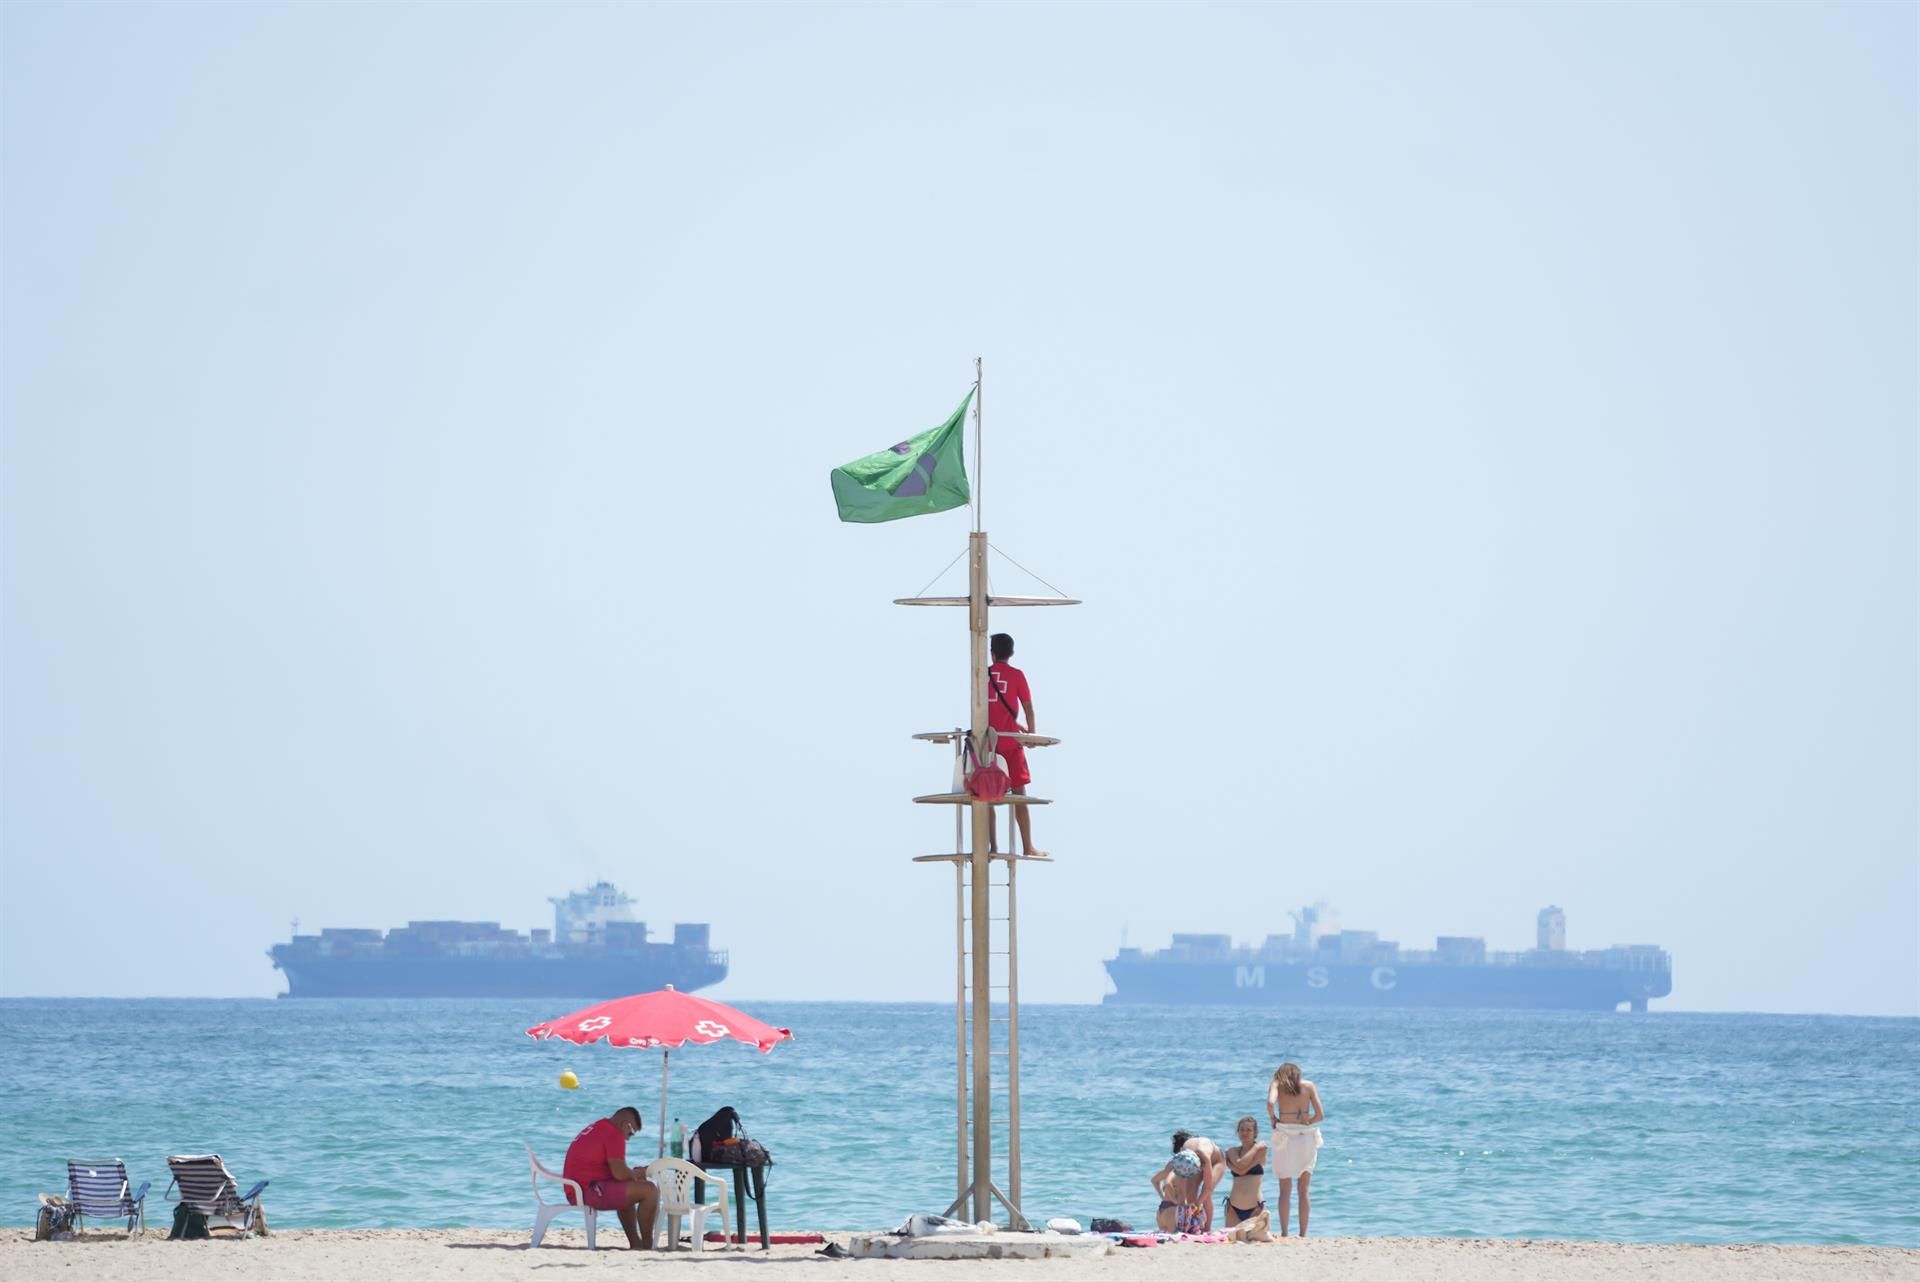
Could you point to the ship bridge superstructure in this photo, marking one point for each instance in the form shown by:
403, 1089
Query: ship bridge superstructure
584, 916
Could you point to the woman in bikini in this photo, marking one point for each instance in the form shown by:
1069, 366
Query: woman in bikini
1245, 1160
1293, 1105
1178, 1184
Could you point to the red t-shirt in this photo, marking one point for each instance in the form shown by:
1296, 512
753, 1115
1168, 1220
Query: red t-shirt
590, 1156
1007, 693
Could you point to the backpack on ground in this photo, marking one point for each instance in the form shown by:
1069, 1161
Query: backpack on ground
54, 1220
187, 1224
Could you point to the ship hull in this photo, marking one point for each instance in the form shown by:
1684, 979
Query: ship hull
597, 977
1309, 983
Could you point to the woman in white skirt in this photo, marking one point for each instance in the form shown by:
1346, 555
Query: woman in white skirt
1293, 1106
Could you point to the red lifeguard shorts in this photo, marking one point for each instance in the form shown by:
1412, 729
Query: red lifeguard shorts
1016, 755
605, 1195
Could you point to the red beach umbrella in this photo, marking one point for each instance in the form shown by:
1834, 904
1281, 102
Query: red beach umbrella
668, 1019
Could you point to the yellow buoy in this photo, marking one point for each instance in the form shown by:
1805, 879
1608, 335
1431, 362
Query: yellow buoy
568, 1081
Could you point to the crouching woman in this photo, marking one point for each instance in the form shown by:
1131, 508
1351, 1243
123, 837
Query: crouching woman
1182, 1209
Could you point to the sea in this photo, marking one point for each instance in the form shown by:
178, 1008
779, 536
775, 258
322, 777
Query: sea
397, 1113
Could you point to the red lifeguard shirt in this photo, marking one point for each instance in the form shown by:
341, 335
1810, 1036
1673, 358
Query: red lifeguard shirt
1007, 693
590, 1156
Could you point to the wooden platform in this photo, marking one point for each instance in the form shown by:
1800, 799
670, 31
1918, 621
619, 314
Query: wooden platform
991, 854
968, 799
1025, 740
991, 601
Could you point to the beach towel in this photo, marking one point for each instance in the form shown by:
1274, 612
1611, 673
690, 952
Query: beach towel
1292, 1149
1155, 1239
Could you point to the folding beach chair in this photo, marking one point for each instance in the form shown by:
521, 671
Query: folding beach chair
205, 1186
99, 1189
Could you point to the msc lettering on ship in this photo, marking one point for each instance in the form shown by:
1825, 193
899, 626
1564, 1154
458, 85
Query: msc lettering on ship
1249, 976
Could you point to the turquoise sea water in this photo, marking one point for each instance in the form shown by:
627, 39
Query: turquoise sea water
1655, 1128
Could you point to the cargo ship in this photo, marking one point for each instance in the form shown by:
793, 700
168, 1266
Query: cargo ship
595, 949
1314, 966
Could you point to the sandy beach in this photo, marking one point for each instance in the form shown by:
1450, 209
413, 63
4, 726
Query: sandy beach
475, 1255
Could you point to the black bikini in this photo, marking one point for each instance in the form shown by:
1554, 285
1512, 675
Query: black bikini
1248, 1213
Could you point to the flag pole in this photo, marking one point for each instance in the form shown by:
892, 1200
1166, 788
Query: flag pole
980, 877
979, 486
980, 863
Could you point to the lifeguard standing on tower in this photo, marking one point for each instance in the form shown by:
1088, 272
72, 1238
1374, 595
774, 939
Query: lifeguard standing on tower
1007, 690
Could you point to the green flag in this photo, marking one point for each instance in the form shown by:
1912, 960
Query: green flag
924, 473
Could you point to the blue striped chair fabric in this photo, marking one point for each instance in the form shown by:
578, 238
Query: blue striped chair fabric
101, 1189
205, 1184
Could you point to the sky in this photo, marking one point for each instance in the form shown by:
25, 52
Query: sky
1483, 436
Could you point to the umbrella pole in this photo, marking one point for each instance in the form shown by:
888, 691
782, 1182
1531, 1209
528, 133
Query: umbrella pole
664, 1055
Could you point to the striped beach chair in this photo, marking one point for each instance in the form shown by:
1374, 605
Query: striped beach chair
100, 1189
203, 1183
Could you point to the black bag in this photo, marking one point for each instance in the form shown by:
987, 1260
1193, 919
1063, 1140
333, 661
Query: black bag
55, 1217
722, 1141
187, 1223
711, 1136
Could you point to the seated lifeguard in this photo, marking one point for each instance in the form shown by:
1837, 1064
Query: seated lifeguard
597, 1162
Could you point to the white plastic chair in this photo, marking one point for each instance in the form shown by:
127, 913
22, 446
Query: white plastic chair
544, 1211
675, 1179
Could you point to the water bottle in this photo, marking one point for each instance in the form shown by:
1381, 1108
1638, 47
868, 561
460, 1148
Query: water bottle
679, 1146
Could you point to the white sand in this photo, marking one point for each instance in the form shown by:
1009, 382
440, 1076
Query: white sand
477, 1255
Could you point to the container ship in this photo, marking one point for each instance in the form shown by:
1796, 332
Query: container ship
1313, 966
595, 949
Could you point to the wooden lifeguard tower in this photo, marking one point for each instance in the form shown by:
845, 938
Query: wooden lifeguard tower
986, 968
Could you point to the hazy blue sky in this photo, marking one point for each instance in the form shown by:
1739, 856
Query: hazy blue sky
1485, 438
